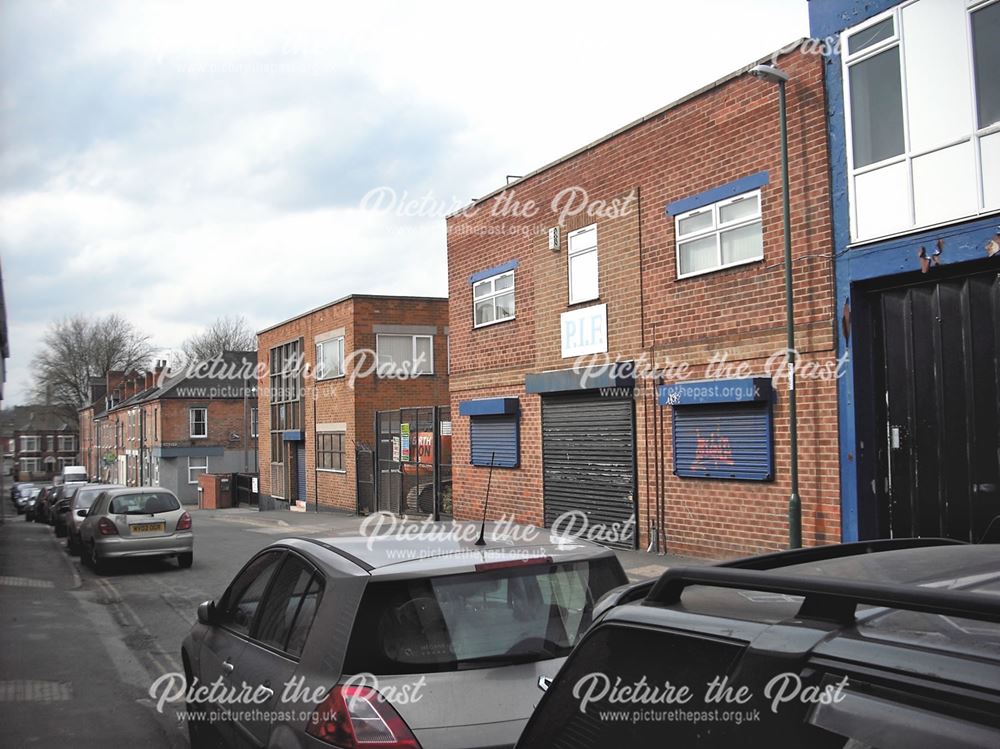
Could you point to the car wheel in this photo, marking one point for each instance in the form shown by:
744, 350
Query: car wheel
97, 563
185, 560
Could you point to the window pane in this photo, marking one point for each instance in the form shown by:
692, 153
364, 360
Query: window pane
484, 312
246, 592
876, 108
740, 210
745, 243
503, 282
482, 289
583, 240
871, 35
701, 254
505, 306
304, 619
282, 603
395, 351
583, 277
328, 356
425, 355
697, 222
986, 53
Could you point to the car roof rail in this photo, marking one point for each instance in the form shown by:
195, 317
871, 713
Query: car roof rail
833, 551
339, 552
825, 598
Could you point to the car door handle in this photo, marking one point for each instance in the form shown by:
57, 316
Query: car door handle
227, 667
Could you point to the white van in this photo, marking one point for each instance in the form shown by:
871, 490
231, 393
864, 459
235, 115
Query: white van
74, 473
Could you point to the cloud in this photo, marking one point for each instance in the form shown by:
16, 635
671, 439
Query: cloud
177, 161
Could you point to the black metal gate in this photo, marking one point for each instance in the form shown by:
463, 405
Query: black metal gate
588, 464
937, 407
245, 489
364, 458
414, 461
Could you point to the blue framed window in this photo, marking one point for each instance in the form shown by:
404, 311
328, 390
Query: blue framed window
722, 429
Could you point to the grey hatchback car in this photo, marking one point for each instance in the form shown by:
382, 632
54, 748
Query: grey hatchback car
389, 641
84, 498
136, 522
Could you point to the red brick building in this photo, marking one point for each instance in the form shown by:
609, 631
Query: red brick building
328, 371
163, 428
658, 244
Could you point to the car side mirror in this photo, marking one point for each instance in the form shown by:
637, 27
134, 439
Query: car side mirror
206, 612
81, 513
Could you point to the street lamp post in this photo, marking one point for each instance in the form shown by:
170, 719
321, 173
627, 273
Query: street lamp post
776, 75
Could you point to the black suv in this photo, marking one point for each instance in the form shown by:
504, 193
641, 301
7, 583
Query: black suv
883, 644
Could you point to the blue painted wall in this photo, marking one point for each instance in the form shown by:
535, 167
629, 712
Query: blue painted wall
963, 242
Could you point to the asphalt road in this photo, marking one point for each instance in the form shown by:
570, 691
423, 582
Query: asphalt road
79, 651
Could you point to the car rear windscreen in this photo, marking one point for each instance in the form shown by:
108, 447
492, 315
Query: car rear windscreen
478, 620
84, 499
143, 503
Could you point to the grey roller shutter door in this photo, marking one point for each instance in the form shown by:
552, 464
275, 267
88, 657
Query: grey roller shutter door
588, 454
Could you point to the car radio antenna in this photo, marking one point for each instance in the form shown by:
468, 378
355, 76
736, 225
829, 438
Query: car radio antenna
486, 503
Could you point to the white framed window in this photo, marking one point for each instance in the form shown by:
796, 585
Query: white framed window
405, 354
253, 421
30, 465
30, 443
922, 105
493, 299
50, 443
67, 443
330, 358
196, 467
720, 235
199, 422
584, 285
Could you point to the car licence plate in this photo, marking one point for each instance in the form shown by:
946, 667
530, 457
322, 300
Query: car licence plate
139, 529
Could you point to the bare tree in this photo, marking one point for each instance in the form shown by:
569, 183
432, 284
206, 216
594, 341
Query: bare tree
76, 349
227, 333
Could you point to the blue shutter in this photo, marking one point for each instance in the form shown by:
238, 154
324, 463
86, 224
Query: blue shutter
495, 435
300, 470
724, 441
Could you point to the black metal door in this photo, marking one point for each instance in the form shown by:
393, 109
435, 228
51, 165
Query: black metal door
937, 401
588, 457
364, 462
388, 461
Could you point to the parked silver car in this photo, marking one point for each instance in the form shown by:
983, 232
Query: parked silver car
84, 498
136, 522
395, 641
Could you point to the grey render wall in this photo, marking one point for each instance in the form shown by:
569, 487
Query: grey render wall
174, 472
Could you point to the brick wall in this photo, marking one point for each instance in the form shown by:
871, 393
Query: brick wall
352, 401
723, 134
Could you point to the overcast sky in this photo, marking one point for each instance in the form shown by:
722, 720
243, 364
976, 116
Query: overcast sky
178, 161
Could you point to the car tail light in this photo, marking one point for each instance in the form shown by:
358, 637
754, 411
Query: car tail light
356, 717
184, 524
106, 528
